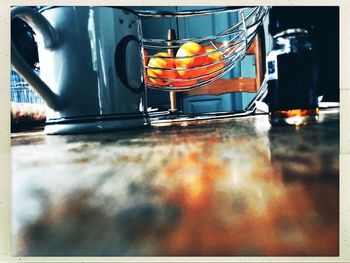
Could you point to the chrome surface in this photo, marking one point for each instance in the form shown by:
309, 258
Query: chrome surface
186, 13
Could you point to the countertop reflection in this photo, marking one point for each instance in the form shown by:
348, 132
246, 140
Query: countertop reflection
231, 187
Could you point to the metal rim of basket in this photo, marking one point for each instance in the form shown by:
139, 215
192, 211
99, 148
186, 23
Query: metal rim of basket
233, 51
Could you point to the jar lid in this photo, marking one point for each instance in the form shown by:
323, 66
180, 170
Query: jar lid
293, 31
282, 18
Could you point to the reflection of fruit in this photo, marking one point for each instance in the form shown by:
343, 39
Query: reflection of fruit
214, 57
190, 49
159, 62
145, 53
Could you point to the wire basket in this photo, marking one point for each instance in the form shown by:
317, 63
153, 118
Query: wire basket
183, 64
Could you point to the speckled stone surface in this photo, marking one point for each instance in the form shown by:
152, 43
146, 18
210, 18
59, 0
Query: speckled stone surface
233, 187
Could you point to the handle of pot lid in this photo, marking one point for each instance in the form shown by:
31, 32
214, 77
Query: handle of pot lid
120, 63
42, 28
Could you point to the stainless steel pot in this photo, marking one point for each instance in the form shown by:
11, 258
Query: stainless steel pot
90, 67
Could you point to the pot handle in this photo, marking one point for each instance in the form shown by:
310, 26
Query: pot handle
120, 63
50, 39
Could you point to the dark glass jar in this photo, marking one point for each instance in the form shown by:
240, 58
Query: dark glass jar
292, 79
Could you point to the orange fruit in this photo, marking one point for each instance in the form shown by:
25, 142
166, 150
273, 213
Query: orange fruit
190, 48
160, 62
184, 82
214, 57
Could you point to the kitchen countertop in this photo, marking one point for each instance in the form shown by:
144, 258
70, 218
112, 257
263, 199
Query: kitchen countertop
231, 187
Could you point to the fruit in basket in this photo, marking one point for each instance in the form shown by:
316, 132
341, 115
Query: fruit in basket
184, 82
214, 57
161, 60
194, 49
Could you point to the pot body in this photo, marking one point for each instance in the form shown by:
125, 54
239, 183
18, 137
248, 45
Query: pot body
94, 67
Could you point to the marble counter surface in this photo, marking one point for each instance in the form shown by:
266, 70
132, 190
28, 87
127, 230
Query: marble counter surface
234, 187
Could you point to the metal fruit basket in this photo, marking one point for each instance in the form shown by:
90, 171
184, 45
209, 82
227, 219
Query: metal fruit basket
229, 47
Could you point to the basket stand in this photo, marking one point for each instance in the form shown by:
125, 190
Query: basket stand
172, 94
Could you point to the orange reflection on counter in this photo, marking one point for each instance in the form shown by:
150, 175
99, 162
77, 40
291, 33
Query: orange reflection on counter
298, 112
295, 117
255, 215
